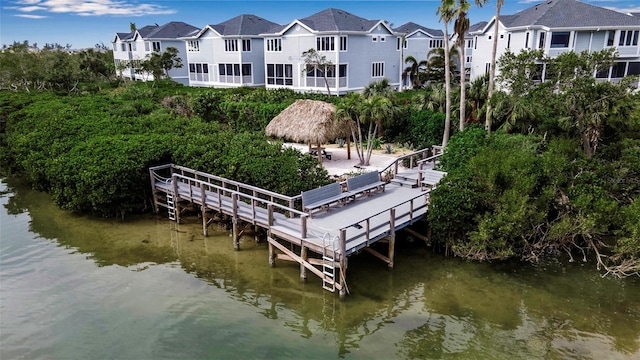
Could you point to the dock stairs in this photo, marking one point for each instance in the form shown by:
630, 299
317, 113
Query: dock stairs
407, 178
328, 262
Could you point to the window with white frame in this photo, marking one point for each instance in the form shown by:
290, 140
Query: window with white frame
342, 71
343, 43
377, 69
619, 70
280, 74
469, 43
232, 73
526, 40
274, 45
436, 43
560, 39
246, 45
509, 41
147, 46
231, 45
198, 72
383, 38
156, 46
611, 34
193, 46
123, 46
399, 42
246, 70
325, 43
541, 40
374, 38
115, 47
628, 38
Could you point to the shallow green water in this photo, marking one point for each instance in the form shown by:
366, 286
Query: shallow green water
74, 287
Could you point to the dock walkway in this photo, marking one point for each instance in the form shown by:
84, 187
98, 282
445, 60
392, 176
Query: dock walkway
332, 234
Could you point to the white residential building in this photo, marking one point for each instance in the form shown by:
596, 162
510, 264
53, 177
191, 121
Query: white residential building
229, 54
361, 51
558, 26
130, 49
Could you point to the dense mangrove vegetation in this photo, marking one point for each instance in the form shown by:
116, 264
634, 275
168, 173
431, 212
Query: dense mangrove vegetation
558, 175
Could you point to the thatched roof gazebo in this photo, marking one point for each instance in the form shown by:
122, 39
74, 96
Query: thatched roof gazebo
311, 122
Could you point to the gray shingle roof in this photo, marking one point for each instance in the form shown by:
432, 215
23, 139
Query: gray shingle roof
567, 13
411, 27
478, 26
125, 36
337, 20
171, 30
245, 24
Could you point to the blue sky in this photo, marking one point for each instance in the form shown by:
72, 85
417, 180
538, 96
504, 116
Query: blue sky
86, 23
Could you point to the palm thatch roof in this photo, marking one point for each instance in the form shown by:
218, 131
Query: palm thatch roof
308, 121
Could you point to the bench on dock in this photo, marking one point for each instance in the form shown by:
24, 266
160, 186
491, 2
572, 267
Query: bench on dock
364, 183
323, 197
430, 178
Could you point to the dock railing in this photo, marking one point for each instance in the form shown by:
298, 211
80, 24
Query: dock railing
415, 159
225, 186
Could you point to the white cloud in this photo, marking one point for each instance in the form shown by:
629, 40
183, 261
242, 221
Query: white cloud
90, 7
30, 16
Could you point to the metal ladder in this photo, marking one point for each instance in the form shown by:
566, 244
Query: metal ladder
171, 207
328, 263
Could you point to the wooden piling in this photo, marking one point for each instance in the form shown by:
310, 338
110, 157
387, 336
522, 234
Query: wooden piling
392, 237
343, 264
235, 222
176, 197
303, 270
154, 192
272, 252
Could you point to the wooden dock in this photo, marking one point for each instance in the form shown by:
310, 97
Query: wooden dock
320, 243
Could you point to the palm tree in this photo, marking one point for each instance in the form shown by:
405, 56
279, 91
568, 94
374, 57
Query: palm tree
446, 12
432, 99
375, 110
378, 88
460, 28
348, 109
492, 69
364, 111
413, 70
478, 96
436, 64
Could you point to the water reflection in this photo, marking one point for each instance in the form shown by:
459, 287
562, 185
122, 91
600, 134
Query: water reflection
427, 307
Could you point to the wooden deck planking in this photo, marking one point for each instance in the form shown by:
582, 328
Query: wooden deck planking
357, 212
324, 222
